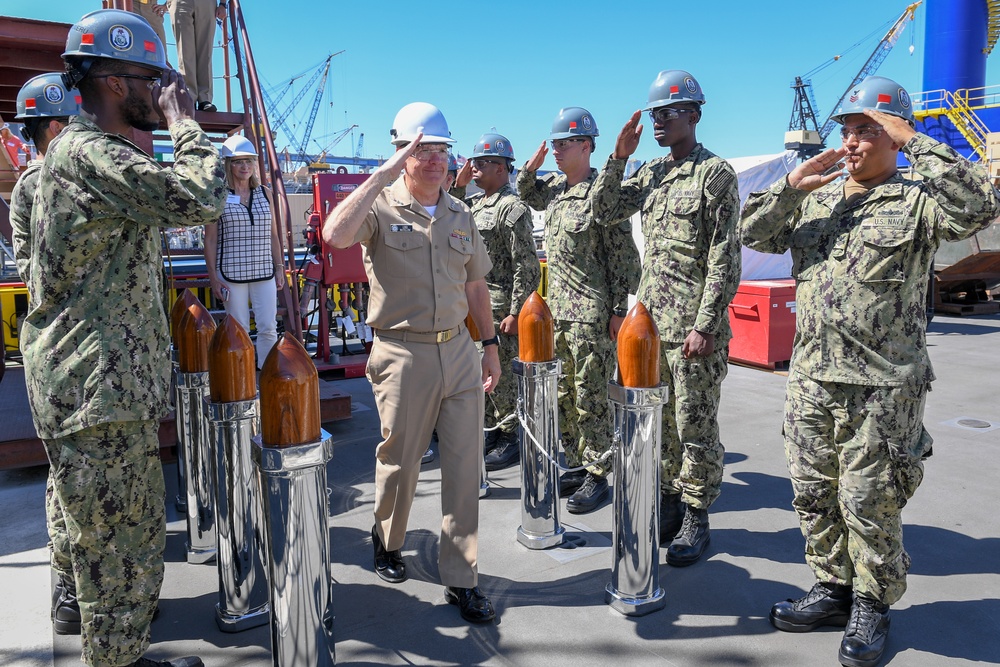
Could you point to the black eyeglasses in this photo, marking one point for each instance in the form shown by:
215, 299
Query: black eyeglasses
479, 162
664, 114
151, 81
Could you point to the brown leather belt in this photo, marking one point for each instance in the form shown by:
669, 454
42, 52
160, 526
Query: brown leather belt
436, 337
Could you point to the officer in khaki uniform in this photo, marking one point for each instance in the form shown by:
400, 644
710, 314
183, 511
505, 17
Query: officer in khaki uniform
194, 22
426, 265
860, 373
153, 12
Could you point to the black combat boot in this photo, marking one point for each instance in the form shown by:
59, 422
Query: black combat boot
867, 630
189, 661
589, 496
65, 609
692, 539
506, 450
824, 604
671, 516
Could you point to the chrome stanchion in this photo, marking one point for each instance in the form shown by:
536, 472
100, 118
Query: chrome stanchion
634, 589
293, 489
199, 464
537, 385
243, 595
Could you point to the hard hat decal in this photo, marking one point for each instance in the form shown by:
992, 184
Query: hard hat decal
87, 39
884, 99
586, 122
499, 146
855, 96
690, 85
486, 146
120, 37
53, 94
572, 125
904, 98
675, 89
149, 45
78, 99
29, 103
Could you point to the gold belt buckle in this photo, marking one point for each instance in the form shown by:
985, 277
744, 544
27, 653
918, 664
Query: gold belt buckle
443, 336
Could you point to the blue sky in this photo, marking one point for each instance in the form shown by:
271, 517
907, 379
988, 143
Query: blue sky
513, 65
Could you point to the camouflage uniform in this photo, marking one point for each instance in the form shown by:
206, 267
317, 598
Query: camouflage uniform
690, 273
592, 270
96, 365
859, 374
20, 218
20, 221
504, 222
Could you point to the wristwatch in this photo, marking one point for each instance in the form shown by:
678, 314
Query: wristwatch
491, 341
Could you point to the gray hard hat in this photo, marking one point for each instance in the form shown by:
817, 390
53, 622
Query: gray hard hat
492, 144
45, 96
573, 122
674, 86
878, 93
116, 35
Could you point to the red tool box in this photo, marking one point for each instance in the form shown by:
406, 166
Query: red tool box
762, 315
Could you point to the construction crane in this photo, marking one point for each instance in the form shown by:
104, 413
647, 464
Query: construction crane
808, 142
315, 109
280, 117
330, 146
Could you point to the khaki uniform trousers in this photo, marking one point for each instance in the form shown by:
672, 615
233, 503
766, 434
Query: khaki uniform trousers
109, 484
193, 22
419, 387
144, 8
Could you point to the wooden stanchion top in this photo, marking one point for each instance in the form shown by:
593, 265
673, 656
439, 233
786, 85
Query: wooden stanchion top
536, 333
232, 371
639, 350
194, 334
289, 396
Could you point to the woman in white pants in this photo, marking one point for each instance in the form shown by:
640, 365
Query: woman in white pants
243, 251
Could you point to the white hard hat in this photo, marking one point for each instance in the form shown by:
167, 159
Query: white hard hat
237, 146
418, 117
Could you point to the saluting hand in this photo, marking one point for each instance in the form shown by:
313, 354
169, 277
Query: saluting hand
464, 176
628, 138
898, 129
812, 173
394, 165
535, 163
172, 98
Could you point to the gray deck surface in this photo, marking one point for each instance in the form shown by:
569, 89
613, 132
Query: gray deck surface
550, 604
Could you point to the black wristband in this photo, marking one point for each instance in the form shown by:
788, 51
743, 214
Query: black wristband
620, 312
491, 341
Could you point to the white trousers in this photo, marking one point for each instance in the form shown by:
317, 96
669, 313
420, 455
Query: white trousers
263, 295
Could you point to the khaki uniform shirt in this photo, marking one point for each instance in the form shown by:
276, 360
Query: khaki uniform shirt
691, 264
418, 267
592, 268
504, 222
96, 340
20, 218
861, 268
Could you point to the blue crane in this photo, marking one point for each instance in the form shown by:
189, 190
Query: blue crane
808, 142
315, 108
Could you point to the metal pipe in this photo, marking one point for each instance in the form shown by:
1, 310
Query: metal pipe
199, 466
293, 485
538, 386
634, 589
243, 595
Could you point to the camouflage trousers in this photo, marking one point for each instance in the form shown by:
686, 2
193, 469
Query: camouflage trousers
587, 356
55, 522
854, 457
691, 454
501, 405
109, 483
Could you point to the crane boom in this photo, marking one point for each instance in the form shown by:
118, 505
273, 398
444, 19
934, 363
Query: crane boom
315, 109
874, 61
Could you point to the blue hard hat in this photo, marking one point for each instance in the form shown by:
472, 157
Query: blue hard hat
573, 122
879, 93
